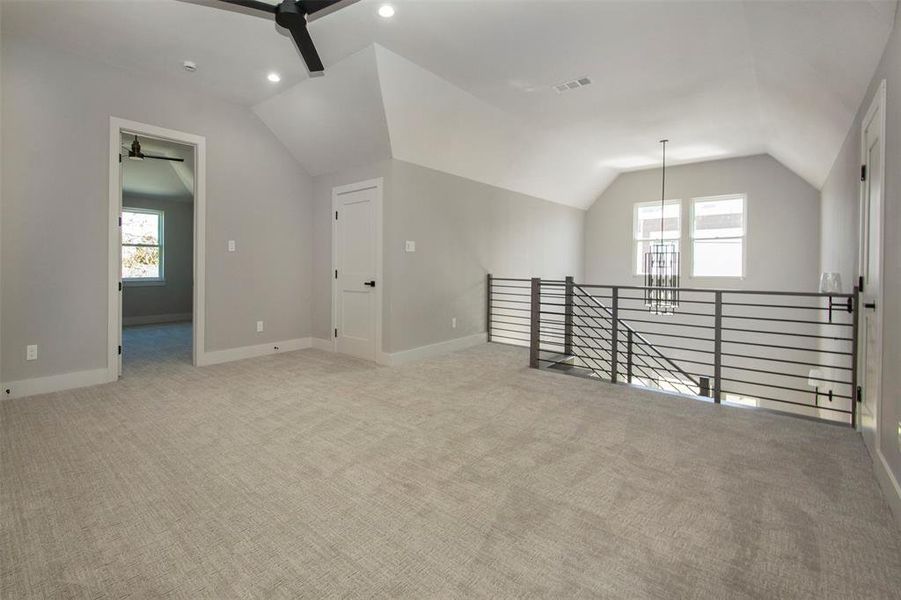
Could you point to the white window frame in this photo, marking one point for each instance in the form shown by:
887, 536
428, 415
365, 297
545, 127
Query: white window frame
148, 281
743, 237
635, 240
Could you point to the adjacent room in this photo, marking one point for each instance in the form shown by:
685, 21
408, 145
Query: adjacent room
157, 250
450, 299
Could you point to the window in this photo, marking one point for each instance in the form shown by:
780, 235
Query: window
142, 245
646, 228
718, 227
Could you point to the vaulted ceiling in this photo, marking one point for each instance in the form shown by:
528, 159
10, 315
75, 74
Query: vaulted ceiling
467, 86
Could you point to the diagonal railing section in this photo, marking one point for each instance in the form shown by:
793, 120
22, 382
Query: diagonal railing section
794, 351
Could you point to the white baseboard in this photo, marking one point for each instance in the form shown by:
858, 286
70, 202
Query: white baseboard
220, 356
54, 383
432, 350
152, 319
326, 345
889, 484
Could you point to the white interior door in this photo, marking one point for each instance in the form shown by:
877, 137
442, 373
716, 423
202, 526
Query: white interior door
357, 269
870, 368
119, 317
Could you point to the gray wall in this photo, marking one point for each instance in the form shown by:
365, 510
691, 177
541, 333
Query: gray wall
175, 296
55, 210
840, 237
783, 222
463, 229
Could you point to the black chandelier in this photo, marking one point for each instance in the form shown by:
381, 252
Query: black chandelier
661, 264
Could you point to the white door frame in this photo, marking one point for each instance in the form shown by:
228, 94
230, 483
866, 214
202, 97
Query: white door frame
378, 184
114, 327
878, 103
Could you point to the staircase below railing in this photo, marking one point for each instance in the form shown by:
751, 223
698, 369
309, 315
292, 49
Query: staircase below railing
752, 348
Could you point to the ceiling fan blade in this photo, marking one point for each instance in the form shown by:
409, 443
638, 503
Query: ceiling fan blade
307, 48
316, 9
254, 4
163, 157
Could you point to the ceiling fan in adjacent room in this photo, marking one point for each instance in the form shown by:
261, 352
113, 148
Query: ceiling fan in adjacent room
293, 16
134, 153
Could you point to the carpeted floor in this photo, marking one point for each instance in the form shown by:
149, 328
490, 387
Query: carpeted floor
312, 475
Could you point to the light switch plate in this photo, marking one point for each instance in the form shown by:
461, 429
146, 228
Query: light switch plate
231, 245
31, 352
409, 246
259, 326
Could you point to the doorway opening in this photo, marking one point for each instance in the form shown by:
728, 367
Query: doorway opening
157, 251
156, 248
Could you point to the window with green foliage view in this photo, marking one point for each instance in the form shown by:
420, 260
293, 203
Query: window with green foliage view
142, 244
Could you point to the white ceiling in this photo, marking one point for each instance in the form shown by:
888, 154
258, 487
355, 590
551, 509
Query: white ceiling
719, 79
159, 178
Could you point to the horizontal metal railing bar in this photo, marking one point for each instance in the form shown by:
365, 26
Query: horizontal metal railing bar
513, 301
641, 299
724, 291
783, 374
493, 279
779, 387
682, 349
526, 333
775, 320
524, 323
789, 333
785, 360
504, 337
835, 308
770, 399
515, 308
671, 324
795, 348
673, 335
681, 313
516, 294
597, 359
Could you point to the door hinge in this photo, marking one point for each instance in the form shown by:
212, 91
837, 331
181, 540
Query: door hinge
120, 157
336, 273
859, 394
120, 221
336, 215
120, 349
860, 283
336, 333
120, 286
863, 172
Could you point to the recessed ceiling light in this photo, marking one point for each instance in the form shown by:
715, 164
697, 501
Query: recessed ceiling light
274, 77
386, 11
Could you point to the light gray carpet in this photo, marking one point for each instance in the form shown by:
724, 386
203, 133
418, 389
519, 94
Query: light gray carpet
310, 475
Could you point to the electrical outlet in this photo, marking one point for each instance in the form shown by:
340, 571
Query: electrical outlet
409, 246
31, 352
231, 245
454, 323
259, 326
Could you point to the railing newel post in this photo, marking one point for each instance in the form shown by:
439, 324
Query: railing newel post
488, 307
629, 357
535, 323
614, 335
717, 346
854, 302
568, 319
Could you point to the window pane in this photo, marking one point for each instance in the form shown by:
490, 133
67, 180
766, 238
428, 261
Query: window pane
647, 221
140, 262
140, 228
722, 217
717, 258
641, 248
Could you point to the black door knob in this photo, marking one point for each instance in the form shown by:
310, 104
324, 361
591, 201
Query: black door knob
369, 283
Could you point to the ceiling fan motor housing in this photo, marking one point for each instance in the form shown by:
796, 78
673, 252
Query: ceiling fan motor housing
289, 14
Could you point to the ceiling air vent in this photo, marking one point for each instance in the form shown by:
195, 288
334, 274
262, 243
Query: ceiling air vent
572, 85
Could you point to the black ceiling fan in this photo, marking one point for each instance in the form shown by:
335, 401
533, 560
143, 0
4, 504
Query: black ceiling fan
293, 16
134, 153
